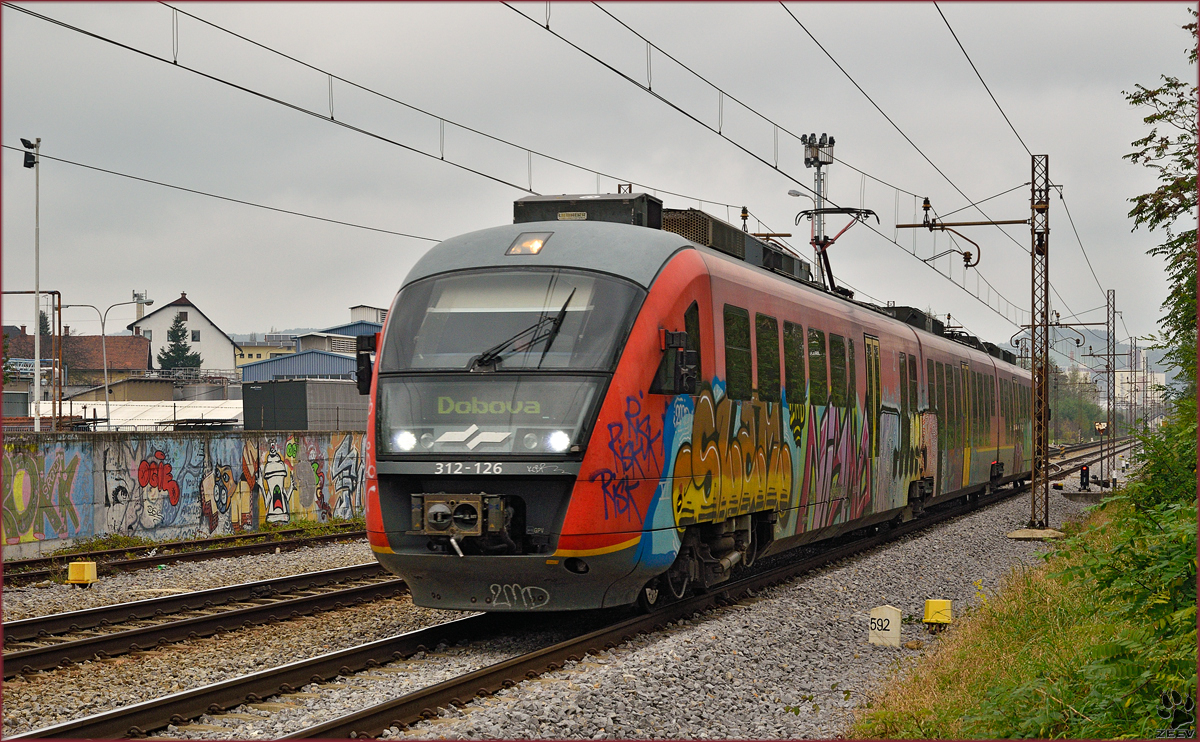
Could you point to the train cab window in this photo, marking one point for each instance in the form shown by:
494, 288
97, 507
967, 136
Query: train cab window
766, 341
793, 364
903, 392
837, 370
737, 352
691, 325
664, 377
818, 374
851, 378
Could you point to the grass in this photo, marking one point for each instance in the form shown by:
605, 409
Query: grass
1035, 627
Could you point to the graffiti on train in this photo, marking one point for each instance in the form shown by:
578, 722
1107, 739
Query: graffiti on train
735, 462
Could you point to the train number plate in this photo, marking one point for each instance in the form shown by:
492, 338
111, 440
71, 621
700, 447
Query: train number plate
468, 467
480, 468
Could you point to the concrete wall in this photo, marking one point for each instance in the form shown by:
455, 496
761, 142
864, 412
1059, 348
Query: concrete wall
171, 485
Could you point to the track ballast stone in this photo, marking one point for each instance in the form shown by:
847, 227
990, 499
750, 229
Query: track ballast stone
795, 662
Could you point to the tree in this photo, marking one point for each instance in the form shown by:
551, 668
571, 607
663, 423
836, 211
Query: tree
178, 353
1172, 155
44, 324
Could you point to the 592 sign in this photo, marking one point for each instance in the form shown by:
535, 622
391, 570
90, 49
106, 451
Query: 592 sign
881, 624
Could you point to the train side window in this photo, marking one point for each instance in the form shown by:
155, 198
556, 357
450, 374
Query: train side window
837, 370
914, 399
903, 388
851, 380
817, 372
943, 418
930, 389
964, 417
973, 395
951, 407
737, 352
793, 364
766, 340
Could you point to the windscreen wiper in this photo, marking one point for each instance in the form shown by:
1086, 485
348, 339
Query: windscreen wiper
493, 354
558, 320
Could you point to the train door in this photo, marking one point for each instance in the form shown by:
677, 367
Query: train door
966, 419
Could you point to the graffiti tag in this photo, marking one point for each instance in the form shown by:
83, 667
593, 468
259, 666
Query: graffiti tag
156, 473
518, 596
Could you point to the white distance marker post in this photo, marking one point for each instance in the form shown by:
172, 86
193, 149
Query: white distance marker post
885, 626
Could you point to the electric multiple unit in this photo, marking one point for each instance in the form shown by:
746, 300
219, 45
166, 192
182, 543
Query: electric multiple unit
571, 414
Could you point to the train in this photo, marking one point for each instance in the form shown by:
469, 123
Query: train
609, 403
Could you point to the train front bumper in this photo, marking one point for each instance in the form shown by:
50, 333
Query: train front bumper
516, 583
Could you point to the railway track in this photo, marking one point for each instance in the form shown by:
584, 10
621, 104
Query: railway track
46, 642
25, 571
280, 683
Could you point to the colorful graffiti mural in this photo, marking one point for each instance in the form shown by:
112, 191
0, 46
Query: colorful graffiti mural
172, 486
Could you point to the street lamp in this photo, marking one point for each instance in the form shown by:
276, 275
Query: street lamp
32, 160
104, 346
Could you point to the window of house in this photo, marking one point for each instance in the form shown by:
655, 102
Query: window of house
149, 335
183, 316
258, 356
195, 336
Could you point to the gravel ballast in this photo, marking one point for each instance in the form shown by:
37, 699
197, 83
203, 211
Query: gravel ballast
46, 598
792, 662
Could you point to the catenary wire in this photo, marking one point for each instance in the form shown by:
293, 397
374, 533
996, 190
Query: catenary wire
223, 198
983, 200
985, 85
432, 115
726, 94
784, 173
264, 96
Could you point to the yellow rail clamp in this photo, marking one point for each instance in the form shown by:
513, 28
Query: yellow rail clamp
937, 611
81, 573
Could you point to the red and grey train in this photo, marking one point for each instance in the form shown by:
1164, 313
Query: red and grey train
570, 412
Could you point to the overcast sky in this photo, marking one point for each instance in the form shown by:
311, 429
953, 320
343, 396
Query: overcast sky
1058, 70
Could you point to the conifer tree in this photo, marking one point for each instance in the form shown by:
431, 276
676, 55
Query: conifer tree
178, 353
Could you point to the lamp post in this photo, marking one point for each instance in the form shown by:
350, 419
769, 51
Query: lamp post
32, 160
104, 346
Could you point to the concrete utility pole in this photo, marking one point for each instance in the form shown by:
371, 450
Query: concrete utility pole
1039, 351
1110, 359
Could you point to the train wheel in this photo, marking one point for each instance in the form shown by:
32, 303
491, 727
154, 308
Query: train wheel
650, 596
751, 552
678, 581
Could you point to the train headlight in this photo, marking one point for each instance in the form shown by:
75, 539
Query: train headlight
427, 440
405, 440
438, 516
558, 441
530, 440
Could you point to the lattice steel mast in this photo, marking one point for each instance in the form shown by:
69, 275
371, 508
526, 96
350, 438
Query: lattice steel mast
1040, 339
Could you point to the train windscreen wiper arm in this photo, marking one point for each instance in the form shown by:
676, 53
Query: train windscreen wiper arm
490, 356
558, 320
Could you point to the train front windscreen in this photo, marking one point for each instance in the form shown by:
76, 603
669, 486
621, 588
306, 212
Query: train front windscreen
499, 361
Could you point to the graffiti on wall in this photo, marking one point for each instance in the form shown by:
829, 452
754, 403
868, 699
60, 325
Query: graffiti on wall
45, 494
175, 486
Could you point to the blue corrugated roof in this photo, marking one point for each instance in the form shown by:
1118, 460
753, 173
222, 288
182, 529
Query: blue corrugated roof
361, 327
306, 363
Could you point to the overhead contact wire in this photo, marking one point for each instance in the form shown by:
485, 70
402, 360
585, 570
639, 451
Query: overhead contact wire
222, 198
